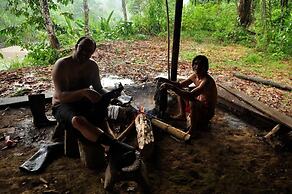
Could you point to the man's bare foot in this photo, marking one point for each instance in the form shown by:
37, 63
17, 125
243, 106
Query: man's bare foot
179, 117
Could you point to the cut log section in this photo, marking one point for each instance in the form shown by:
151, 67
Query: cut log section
145, 136
171, 130
71, 145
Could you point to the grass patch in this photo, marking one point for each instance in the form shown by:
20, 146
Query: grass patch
16, 63
187, 55
233, 56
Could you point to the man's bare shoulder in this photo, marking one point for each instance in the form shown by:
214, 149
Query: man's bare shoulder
64, 60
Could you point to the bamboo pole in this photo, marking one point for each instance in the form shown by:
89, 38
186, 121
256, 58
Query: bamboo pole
170, 129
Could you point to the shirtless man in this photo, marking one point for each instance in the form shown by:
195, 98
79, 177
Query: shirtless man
79, 99
202, 98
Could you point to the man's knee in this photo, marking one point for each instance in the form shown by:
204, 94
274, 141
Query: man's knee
78, 121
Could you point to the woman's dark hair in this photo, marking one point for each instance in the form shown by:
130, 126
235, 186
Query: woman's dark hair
202, 62
87, 38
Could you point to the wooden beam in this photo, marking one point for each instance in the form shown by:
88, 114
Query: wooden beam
230, 102
270, 112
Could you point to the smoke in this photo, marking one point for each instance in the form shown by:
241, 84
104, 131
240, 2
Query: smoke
102, 8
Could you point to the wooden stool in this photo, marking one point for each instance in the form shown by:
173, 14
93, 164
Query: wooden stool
92, 156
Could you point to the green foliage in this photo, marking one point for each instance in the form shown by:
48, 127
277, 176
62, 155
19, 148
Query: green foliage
209, 19
276, 36
41, 54
253, 58
152, 20
11, 64
104, 23
124, 29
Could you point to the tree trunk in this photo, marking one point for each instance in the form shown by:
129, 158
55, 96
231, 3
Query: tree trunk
49, 24
264, 14
86, 18
124, 6
245, 12
284, 9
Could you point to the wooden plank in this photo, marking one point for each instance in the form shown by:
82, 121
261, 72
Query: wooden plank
232, 102
19, 101
270, 112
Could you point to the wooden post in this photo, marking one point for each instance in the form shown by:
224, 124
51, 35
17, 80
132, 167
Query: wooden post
176, 39
170, 129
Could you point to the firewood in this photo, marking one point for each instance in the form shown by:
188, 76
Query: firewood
170, 129
145, 136
109, 130
125, 133
272, 132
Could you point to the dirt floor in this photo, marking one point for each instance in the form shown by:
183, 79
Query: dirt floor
229, 158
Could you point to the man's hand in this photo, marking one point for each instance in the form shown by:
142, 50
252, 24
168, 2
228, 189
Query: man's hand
113, 94
165, 86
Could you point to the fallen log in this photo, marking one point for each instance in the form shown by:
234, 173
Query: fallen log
170, 129
263, 81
